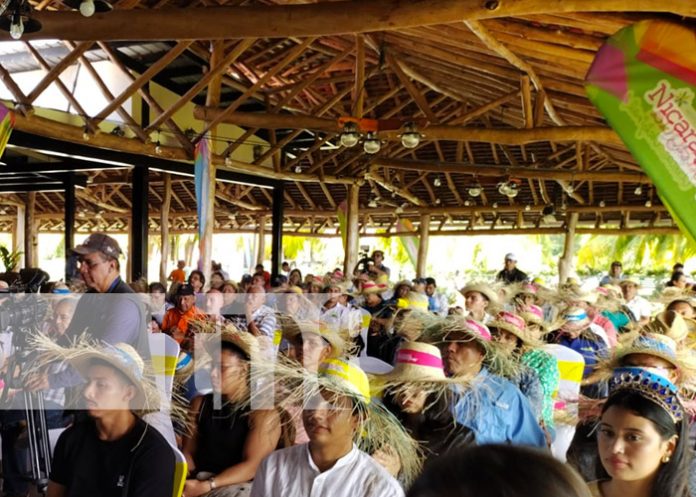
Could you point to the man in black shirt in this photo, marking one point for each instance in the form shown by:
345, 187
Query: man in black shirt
510, 274
113, 453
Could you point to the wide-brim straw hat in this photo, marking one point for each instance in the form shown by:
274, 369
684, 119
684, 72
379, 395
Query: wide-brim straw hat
416, 362
292, 328
575, 319
516, 325
413, 300
82, 353
482, 288
213, 335
673, 325
629, 282
410, 323
371, 287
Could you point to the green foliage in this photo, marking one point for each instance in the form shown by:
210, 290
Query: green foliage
9, 259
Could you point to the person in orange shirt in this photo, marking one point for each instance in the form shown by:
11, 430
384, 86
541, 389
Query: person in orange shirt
178, 274
176, 322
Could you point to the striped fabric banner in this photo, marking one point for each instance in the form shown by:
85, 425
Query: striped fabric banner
202, 182
7, 122
410, 243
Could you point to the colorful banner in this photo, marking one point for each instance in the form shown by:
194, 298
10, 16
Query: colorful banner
410, 243
342, 214
643, 81
202, 185
7, 122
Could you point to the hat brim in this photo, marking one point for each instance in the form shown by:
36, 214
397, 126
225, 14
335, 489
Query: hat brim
83, 250
85, 360
526, 340
487, 292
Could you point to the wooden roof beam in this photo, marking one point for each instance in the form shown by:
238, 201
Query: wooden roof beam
315, 19
501, 171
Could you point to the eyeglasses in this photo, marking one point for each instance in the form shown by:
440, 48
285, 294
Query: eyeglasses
90, 264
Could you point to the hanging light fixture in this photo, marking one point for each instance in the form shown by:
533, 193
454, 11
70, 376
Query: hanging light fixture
89, 7
648, 203
350, 135
602, 203
298, 169
372, 203
437, 181
16, 19
475, 190
410, 138
638, 190
158, 146
512, 189
372, 145
548, 214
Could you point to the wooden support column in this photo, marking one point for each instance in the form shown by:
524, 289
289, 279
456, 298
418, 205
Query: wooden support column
19, 234
423, 246
352, 235
565, 263
69, 216
261, 241
31, 242
139, 223
277, 235
164, 227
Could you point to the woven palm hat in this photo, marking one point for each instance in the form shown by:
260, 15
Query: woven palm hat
483, 289
125, 359
292, 328
673, 325
514, 324
416, 362
575, 319
216, 335
413, 300
373, 287
533, 314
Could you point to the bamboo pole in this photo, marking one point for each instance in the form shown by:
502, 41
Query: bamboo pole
565, 263
423, 246
261, 239
352, 234
31, 240
314, 19
164, 227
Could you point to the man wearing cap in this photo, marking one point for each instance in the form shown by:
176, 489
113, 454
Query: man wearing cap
113, 452
109, 311
510, 273
614, 276
177, 320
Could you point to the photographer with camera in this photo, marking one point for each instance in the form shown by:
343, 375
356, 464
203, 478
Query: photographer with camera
378, 266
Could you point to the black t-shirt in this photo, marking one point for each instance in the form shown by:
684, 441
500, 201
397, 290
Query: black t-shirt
139, 464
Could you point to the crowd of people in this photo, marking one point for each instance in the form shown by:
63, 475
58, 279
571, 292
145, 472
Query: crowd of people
352, 385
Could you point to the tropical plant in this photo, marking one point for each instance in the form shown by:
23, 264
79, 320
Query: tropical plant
10, 259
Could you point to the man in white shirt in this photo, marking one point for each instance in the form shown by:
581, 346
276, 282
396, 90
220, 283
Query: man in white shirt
639, 307
330, 464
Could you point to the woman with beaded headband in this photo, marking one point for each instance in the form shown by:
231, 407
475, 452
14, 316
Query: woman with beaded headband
642, 438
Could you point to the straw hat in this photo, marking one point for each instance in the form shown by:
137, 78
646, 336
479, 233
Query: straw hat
483, 289
533, 314
371, 287
514, 324
470, 328
184, 366
413, 300
346, 378
292, 328
417, 362
629, 282
228, 333
576, 320
652, 344
127, 361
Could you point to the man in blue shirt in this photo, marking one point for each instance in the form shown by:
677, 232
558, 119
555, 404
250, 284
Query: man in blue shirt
492, 407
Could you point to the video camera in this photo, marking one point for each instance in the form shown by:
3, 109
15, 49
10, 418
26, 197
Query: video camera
16, 309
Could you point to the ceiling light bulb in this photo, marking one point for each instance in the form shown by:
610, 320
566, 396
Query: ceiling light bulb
638, 190
410, 138
475, 191
467, 203
372, 145
298, 169
87, 8
17, 27
228, 161
648, 203
438, 201
513, 189
350, 135
602, 203
158, 149
495, 205
437, 182
372, 203
527, 207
